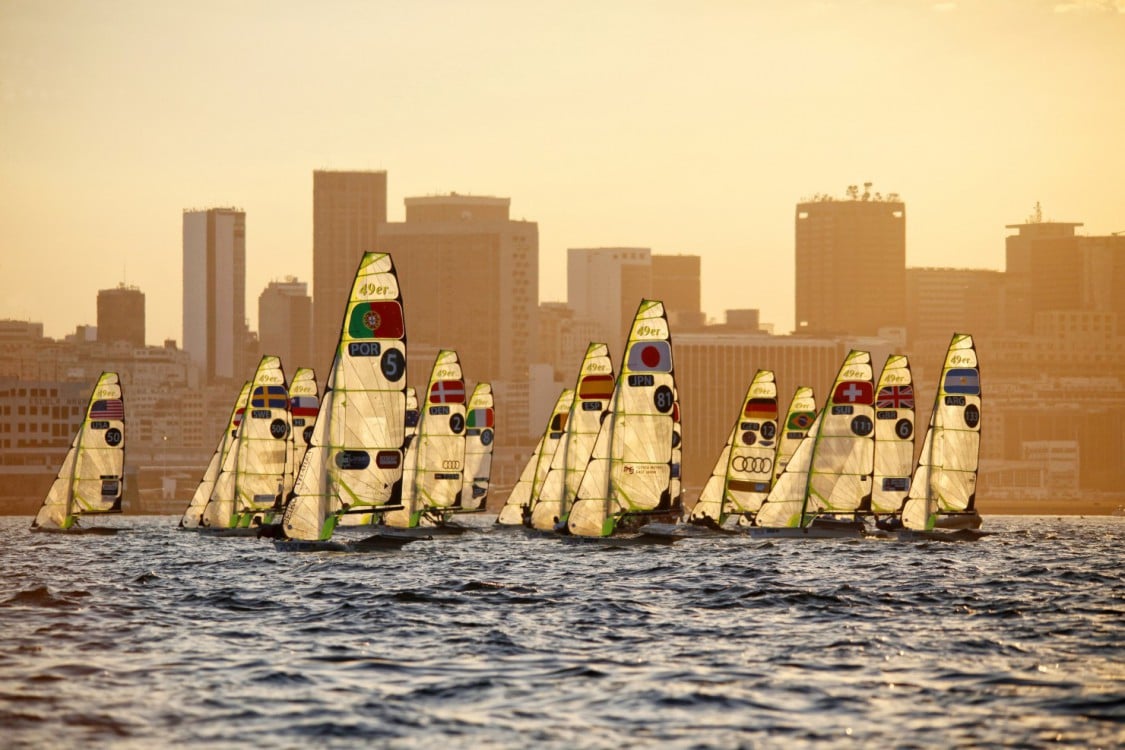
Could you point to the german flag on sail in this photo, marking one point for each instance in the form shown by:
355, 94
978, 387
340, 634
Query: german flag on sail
380, 319
761, 408
595, 387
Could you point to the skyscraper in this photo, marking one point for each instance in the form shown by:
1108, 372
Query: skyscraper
348, 208
121, 315
470, 281
285, 323
214, 302
676, 283
851, 264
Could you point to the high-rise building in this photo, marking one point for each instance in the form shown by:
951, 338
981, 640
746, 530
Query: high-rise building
121, 315
851, 264
676, 283
348, 208
941, 301
214, 278
607, 284
285, 323
470, 281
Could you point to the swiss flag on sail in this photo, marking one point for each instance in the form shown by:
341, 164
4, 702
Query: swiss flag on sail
853, 392
447, 392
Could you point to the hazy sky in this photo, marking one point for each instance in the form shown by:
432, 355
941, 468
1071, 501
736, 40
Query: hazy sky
683, 127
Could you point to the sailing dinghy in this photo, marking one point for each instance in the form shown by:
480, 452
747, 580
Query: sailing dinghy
798, 419
943, 491
521, 500
894, 437
354, 460
91, 479
480, 433
628, 480
193, 516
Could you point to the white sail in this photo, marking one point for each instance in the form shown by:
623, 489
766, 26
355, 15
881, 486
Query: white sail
259, 464
480, 431
193, 516
517, 508
631, 466
743, 474
946, 476
593, 391
844, 451
785, 503
304, 407
798, 419
894, 435
433, 477
92, 476
354, 461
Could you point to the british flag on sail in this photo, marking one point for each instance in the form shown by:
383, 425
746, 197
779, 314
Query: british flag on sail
895, 397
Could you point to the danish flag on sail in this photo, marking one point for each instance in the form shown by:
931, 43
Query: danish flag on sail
447, 392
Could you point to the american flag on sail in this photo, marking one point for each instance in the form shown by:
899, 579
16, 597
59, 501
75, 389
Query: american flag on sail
108, 409
895, 397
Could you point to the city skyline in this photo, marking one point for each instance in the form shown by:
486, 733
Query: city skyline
629, 125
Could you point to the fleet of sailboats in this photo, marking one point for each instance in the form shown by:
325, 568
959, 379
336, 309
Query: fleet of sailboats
367, 453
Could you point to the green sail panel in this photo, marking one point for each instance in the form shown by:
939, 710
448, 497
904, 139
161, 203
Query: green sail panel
354, 461
798, 419
193, 516
593, 392
946, 476
91, 478
480, 433
631, 465
844, 450
522, 498
894, 435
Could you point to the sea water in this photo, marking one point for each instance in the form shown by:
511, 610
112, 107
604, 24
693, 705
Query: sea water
162, 637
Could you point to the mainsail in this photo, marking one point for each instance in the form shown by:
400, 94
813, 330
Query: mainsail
798, 419
354, 460
480, 426
743, 474
258, 465
193, 516
946, 477
843, 453
523, 497
432, 478
785, 503
304, 406
593, 391
894, 435
631, 465
92, 476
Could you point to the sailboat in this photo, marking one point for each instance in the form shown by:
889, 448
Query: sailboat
894, 436
91, 479
524, 495
628, 479
743, 473
432, 475
480, 433
798, 419
593, 392
943, 491
193, 516
248, 491
354, 461
831, 480
304, 406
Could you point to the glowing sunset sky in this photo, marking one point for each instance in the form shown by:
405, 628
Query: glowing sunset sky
683, 127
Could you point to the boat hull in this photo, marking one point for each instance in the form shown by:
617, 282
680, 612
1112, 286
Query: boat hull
82, 531
820, 528
968, 520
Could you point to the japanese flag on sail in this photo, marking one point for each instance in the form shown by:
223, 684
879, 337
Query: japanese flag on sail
650, 356
380, 319
853, 392
596, 387
962, 380
447, 392
108, 409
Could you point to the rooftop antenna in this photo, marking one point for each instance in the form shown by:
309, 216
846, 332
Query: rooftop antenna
1036, 215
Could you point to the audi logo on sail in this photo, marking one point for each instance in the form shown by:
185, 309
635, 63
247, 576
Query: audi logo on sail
752, 464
